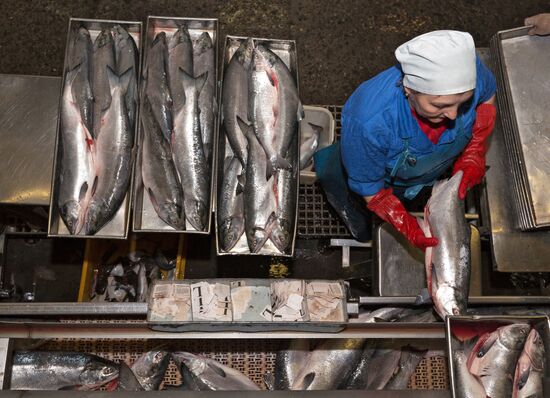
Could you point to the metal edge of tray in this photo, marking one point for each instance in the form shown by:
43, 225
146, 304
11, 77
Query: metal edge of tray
473, 300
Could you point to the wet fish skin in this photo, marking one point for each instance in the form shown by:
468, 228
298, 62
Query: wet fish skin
382, 366
410, 358
127, 380
235, 98
188, 154
114, 158
358, 379
332, 361
156, 84
55, 370
150, 368
309, 146
103, 58
387, 314
528, 380
493, 359
205, 62
230, 212
289, 362
180, 56
260, 203
203, 374
448, 263
77, 152
468, 385
160, 178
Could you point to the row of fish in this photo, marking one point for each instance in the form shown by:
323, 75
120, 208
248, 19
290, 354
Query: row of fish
261, 111
177, 120
508, 362
97, 119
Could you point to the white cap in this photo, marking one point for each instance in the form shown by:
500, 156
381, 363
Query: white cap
441, 62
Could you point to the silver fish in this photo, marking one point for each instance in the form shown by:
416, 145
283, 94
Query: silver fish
180, 56
160, 178
332, 361
382, 366
156, 84
77, 150
230, 212
466, 383
358, 379
260, 203
103, 58
448, 263
289, 362
409, 360
43, 370
203, 374
493, 359
126, 56
188, 154
205, 62
387, 314
127, 380
80, 54
528, 380
235, 98
150, 368
309, 146
113, 167
283, 227
143, 288
274, 106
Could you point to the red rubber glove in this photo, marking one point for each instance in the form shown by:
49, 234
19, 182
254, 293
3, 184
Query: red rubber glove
386, 206
472, 159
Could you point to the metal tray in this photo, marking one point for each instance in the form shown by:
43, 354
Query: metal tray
145, 219
287, 51
117, 227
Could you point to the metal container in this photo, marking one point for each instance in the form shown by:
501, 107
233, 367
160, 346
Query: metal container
145, 218
287, 51
540, 323
321, 117
117, 227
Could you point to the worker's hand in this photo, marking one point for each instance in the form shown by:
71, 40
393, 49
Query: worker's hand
386, 206
472, 160
541, 24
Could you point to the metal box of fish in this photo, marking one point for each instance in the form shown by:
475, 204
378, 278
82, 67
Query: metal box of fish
178, 120
316, 132
269, 195
478, 368
93, 163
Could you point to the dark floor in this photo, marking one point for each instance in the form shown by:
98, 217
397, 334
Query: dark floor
340, 42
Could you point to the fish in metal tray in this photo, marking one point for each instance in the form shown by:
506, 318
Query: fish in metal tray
230, 212
150, 368
529, 376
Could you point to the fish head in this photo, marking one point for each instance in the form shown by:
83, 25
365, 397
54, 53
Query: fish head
447, 301
171, 214
267, 55
98, 372
152, 364
71, 213
230, 232
513, 336
96, 217
534, 349
196, 213
257, 239
245, 52
193, 363
280, 235
204, 43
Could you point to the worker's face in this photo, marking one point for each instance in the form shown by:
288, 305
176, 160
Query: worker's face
437, 108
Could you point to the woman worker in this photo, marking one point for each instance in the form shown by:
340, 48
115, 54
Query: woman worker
402, 129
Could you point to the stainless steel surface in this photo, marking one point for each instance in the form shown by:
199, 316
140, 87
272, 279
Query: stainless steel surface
401, 268
5, 362
231, 394
118, 226
89, 308
346, 245
145, 218
28, 121
473, 300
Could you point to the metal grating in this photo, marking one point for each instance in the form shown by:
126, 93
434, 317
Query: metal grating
316, 218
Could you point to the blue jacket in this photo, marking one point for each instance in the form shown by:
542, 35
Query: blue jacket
376, 120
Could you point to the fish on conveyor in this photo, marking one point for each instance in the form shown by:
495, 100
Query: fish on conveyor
204, 61
103, 58
150, 368
289, 362
56, 370
230, 212
235, 98
204, 374
180, 56
332, 361
77, 150
113, 166
448, 263
494, 357
156, 84
310, 145
160, 178
274, 107
126, 57
188, 154
409, 360
528, 380
80, 54
260, 204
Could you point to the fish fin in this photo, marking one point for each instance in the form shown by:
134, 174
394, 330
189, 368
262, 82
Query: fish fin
240, 185
94, 185
218, 370
268, 170
523, 377
200, 81
243, 125
269, 380
83, 191
301, 114
123, 80
317, 129
423, 297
